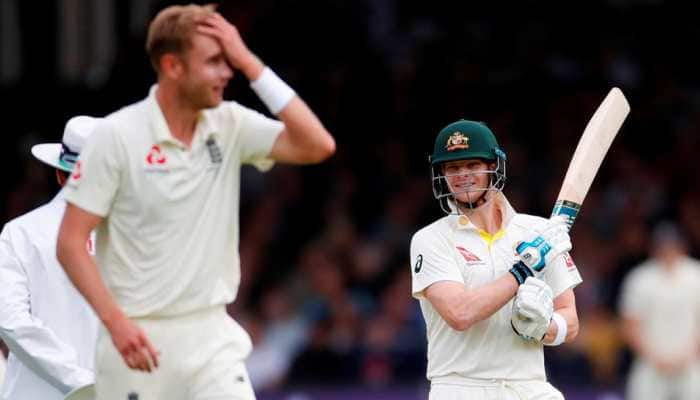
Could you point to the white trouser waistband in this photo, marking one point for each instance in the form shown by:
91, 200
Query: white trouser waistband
464, 381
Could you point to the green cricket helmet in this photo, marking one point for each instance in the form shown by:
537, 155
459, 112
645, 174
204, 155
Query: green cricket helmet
465, 140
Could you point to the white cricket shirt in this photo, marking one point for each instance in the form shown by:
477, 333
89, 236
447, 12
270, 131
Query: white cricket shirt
3, 366
453, 249
168, 243
666, 304
48, 326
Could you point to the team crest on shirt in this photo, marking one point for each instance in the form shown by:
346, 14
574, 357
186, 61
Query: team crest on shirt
469, 257
214, 151
215, 155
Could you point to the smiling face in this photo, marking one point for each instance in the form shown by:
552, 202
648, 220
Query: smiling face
467, 180
205, 72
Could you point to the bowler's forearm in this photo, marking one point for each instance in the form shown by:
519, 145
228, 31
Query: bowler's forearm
82, 271
252, 67
307, 132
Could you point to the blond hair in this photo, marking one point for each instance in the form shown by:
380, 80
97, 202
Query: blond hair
171, 30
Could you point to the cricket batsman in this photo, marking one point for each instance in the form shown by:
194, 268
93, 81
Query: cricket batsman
488, 309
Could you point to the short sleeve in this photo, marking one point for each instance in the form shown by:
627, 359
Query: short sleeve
93, 184
257, 137
431, 262
632, 296
562, 274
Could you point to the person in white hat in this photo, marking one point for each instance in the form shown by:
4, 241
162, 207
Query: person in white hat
47, 325
3, 366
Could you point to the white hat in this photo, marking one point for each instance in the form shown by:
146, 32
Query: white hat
86, 392
64, 155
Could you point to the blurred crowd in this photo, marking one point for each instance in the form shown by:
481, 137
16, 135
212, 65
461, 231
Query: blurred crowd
324, 249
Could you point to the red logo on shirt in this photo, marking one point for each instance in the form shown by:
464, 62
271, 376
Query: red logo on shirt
570, 265
77, 171
468, 255
155, 156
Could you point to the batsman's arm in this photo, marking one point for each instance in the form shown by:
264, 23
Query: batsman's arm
564, 305
462, 307
128, 338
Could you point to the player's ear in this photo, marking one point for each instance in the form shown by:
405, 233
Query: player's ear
171, 65
61, 177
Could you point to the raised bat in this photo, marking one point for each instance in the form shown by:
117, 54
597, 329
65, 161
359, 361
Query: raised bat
592, 147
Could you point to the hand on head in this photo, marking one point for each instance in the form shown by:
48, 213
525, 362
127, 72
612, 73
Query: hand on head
230, 39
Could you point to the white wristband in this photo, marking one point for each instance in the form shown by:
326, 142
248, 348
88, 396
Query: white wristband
272, 91
562, 328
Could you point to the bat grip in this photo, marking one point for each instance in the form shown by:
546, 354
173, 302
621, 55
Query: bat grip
568, 209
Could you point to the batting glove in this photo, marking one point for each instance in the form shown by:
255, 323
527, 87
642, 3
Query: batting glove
550, 240
533, 307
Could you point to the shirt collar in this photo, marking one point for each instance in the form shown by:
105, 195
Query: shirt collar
206, 126
462, 222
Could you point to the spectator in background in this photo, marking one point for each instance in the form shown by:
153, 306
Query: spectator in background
660, 307
283, 332
48, 327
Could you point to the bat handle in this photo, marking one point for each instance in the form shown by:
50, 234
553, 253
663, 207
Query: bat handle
568, 209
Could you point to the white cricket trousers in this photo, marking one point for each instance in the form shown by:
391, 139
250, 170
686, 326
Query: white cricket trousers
646, 383
201, 358
457, 388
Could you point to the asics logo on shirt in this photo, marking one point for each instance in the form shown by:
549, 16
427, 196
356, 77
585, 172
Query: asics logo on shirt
419, 264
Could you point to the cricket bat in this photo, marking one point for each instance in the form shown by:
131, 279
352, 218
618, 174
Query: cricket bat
590, 151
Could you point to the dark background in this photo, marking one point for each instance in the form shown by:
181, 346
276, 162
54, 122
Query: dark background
326, 282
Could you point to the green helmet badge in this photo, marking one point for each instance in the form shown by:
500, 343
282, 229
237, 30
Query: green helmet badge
457, 141
463, 140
